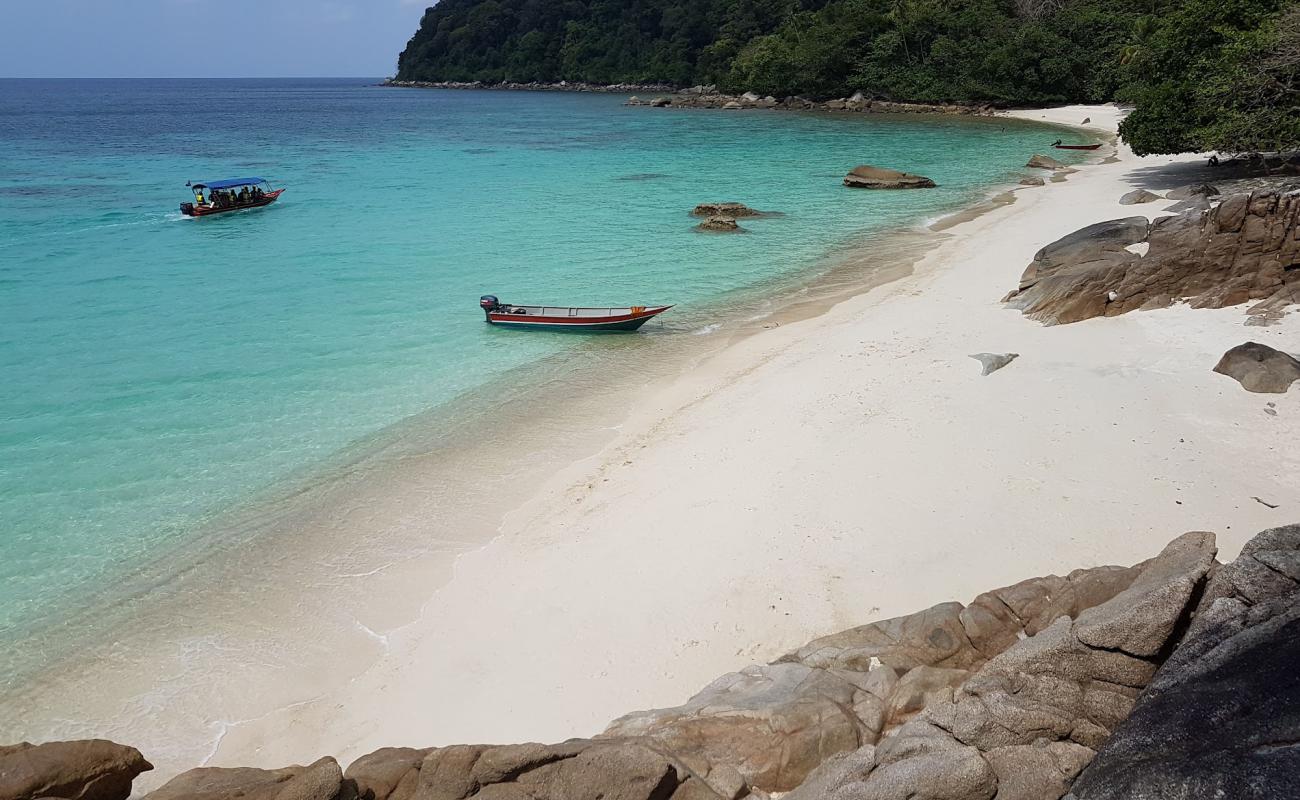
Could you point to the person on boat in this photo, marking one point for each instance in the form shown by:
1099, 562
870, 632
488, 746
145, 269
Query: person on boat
243, 196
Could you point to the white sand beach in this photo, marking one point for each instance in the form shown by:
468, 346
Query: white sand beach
828, 472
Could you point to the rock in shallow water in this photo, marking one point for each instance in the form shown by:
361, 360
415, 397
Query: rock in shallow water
728, 209
866, 176
720, 225
1043, 162
1259, 368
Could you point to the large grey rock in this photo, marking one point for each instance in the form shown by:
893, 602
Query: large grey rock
1040, 771
1138, 196
1077, 679
390, 773
1259, 368
322, 780
773, 723
952, 636
921, 761
575, 770
932, 637
91, 769
1239, 251
1193, 190
866, 176
1222, 717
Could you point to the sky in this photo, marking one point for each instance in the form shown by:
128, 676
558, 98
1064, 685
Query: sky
204, 38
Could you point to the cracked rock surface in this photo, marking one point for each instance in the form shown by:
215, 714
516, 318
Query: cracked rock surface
1222, 716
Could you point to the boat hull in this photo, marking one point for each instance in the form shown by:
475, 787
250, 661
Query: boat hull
190, 210
621, 323
1076, 146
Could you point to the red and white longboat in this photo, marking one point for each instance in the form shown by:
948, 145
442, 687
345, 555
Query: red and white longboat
567, 318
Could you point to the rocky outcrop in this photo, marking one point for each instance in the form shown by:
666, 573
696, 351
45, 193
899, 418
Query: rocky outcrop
1037, 161
1032, 181
1259, 368
1138, 196
390, 773
322, 780
93, 769
703, 97
719, 225
1245, 249
728, 209
1222, 716
773, 724
1029, 718
869, 177
1009, 697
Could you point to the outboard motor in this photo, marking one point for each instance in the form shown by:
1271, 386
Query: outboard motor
187, 209
489, 303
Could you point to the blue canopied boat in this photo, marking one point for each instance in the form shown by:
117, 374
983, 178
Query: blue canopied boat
232, 194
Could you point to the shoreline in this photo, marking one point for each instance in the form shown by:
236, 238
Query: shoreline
415, 689
636, 575
384, 488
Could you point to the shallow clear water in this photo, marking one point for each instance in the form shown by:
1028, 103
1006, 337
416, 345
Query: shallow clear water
158, 371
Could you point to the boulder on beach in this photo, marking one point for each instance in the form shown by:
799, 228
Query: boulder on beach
866, 176
1032, 181
727, 209
91, 769
321, 780
1259, 368
1138, 196
1194, 190
1043, 162
1239, 251
720, 225
731, 105
992, 362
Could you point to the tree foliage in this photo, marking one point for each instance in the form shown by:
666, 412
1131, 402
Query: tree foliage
1204, 74
1217, 75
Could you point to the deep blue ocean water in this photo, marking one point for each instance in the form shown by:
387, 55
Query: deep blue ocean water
158, 371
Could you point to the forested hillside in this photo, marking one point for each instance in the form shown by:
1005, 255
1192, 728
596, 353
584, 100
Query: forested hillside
1205, 74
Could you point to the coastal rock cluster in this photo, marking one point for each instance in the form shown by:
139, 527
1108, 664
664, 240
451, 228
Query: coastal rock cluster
710, 97
1244, 249
534, 86
1097, 683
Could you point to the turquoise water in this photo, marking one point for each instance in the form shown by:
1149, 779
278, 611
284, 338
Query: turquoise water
159, 371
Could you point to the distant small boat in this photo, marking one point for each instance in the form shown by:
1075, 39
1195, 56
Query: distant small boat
1060, 146
567, 318
233, 194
